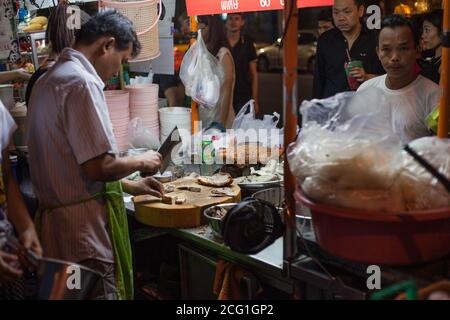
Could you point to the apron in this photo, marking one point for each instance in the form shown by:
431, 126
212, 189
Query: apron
118, 232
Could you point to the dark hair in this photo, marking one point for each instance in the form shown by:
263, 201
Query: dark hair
58, 34
216, 33
435, 17
396, 20
237, 14
359, 3
325, 15
110, 23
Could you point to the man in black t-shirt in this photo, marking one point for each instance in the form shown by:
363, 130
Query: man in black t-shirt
244, 56
349, 41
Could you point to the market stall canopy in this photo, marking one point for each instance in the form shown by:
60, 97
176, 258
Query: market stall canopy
203, 7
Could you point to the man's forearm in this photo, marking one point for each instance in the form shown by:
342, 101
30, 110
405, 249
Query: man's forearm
7, 76
110, 168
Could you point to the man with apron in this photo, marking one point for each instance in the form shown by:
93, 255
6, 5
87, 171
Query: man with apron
74, 163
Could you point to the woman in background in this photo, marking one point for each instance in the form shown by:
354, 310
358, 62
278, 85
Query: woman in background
59, 37
432, 44
213, 33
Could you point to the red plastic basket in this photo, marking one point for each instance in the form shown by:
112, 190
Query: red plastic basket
381, 238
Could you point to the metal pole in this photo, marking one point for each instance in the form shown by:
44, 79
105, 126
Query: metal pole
444, 105
194, 107
290, 123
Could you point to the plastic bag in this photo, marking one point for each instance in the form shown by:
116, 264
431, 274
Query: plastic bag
346, 155
245, 119
202, 74
420, 189
141, 137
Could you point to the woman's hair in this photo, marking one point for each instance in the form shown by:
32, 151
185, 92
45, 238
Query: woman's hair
435, 17
216, 38
110, 23
58, 34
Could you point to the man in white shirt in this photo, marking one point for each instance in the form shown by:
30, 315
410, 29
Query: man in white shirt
73, 152
409, 96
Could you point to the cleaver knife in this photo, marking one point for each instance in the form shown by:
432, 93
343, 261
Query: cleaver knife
166, 149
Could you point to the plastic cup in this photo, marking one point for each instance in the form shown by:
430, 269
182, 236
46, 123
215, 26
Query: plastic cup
353, 83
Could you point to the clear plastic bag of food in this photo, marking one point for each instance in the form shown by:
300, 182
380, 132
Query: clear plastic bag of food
346, 153
202, 74
422, 191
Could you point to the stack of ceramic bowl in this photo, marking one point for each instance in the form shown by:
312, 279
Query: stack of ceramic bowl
144, 105
174, 116
119, 113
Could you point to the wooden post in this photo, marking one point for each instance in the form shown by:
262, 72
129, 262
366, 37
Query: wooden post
444, 105
290, 121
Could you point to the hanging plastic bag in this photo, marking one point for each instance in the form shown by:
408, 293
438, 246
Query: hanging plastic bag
245, 119
141, 137
202, 74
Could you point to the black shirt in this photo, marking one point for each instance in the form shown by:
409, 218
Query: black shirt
243, 53
431, 69
329, 75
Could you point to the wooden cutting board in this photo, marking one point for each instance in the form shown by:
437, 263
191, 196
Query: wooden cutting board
151, 211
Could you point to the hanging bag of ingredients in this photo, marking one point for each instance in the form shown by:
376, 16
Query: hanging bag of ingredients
201, 74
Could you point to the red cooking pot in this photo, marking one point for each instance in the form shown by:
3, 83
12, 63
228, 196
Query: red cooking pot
382, 238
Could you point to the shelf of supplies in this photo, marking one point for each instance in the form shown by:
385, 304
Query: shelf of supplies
38, 34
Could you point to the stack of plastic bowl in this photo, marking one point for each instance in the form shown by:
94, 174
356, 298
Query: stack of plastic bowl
144, 105
119, 113
174, 117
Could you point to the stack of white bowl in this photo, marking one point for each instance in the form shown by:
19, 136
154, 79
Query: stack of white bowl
119, 113
174, 116
144, 105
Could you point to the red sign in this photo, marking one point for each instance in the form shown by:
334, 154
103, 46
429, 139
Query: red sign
203, 7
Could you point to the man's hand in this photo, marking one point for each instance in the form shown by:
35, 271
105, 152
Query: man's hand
8, 272
22, 75
359, 74
151, 161
30, 241
147, 185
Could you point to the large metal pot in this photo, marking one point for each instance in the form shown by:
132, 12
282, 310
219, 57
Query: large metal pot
61, 280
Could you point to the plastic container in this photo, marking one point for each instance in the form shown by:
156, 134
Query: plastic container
403, 238
144, 105
119, 113
174, 117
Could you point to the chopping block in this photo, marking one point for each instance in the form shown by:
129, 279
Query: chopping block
151, 211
